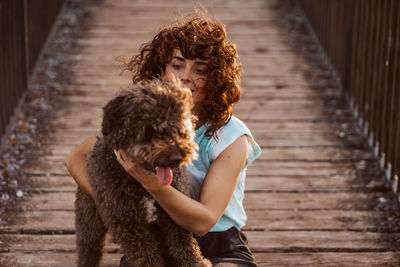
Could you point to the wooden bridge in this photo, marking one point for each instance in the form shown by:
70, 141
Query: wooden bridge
315, 197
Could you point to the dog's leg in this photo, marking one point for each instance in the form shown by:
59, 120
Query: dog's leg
140, 247
182, 246
90, 231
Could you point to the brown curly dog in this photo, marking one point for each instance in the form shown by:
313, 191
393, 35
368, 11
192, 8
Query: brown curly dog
152, 123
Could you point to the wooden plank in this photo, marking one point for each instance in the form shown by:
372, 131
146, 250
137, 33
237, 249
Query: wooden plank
64, 200
373, 259
338, 140
295, 127
49, 167
62, 221
47, 183
292, 92
41, 222
310, 201
317, 240
250, 83
60, 259
314, 220
261, 168
67, 138
304, 168
311, 154
311, 183
48, 242
260, 114
265, 241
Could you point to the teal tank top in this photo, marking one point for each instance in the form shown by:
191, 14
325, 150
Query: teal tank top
209, 150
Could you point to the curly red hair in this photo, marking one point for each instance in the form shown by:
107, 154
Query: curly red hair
196, 37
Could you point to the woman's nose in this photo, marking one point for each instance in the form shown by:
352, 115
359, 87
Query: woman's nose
186, 76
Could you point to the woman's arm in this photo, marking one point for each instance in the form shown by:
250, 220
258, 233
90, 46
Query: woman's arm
76, 164
217, 190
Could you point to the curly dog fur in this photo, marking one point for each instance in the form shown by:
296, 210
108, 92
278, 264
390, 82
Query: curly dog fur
152, 123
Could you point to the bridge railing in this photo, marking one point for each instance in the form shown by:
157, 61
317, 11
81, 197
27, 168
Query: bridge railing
361, 38
24, 27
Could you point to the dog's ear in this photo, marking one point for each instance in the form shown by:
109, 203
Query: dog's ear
114, 123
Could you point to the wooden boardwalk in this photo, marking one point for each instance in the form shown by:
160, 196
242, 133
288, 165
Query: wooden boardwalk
314, 198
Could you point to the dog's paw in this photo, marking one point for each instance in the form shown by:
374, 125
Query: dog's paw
147, 262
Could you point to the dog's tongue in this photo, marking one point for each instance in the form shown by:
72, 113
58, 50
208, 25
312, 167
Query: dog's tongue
164, 175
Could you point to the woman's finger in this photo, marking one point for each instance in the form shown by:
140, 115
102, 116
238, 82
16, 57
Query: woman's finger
121, 156
128, 165
147, 179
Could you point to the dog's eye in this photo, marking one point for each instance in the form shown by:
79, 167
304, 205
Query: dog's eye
149, 133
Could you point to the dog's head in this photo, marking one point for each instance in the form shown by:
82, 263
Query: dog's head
152, 123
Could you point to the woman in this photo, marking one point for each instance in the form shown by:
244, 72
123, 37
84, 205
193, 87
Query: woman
196, 52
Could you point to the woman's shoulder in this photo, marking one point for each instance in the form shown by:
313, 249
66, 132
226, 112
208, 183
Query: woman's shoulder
229, 133
235, 126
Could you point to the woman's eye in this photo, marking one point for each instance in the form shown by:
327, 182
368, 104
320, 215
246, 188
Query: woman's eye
200, 71
177, 67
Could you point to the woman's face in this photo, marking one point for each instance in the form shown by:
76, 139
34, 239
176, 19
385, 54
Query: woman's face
192, 74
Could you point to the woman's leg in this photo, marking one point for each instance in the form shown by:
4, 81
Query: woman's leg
227, 249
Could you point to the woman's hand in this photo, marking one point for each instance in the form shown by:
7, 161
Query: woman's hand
148, 179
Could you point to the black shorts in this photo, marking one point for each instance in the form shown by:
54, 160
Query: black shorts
223, 249
229, 248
